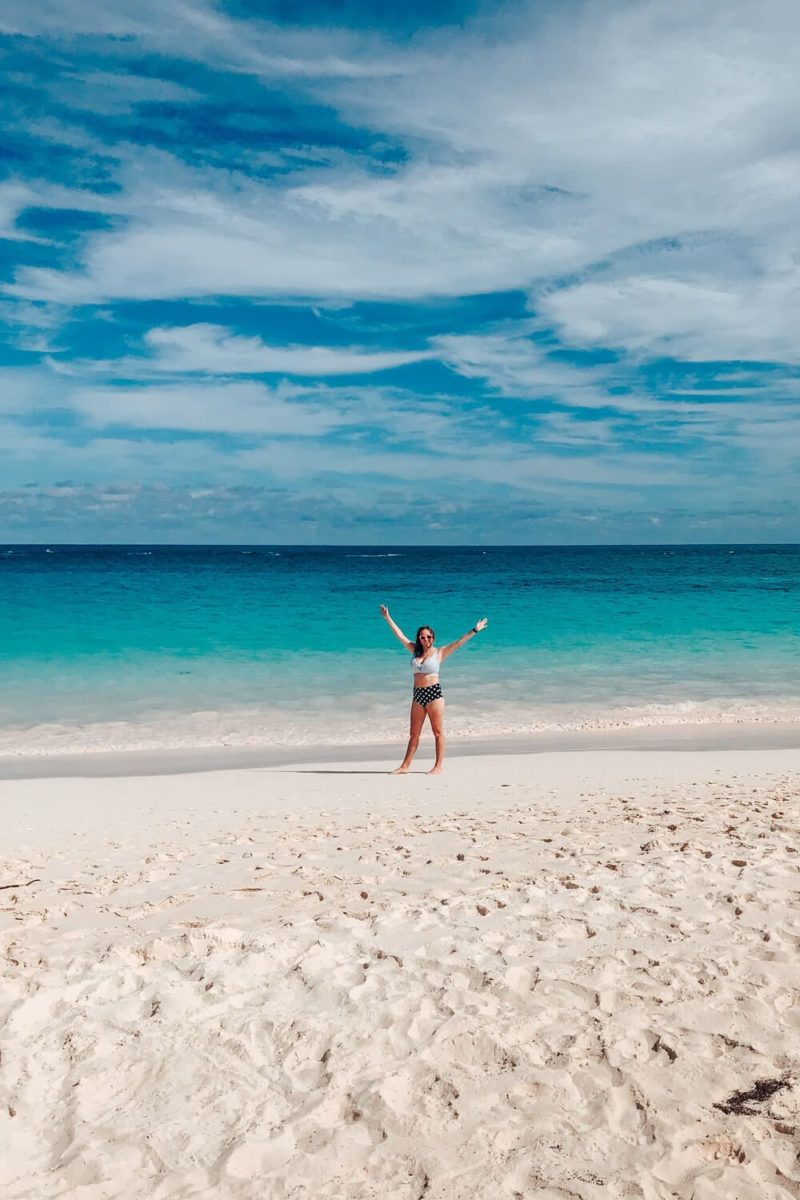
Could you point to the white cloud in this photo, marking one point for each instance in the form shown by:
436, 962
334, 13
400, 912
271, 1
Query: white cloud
24, 392
109, 92
563, 429
198, 30
214, 349
632, 167
197, 242
539, 144
203, 407
697, 319
269, 414
524, 467
14, 197
514, 365
380, 432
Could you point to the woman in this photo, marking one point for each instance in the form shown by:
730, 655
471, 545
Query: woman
427, 700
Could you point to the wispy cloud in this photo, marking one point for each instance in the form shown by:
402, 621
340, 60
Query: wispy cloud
696, 319
516, 365
201, 31
207, 407
220, 228
213, 350
515, 150
109, 92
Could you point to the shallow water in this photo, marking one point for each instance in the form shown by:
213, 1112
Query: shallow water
155, 646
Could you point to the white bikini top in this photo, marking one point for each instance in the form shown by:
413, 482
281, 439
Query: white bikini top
427, 666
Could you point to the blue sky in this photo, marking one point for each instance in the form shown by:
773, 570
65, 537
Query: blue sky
450, 274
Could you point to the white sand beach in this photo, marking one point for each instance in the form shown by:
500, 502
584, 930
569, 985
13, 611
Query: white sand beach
558, 975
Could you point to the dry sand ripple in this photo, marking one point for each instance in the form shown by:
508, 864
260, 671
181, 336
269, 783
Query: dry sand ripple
519, 984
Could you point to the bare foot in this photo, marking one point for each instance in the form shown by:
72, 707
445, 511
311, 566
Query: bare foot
435, 771
400, 771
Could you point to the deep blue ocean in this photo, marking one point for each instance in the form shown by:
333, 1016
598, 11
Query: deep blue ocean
187, 645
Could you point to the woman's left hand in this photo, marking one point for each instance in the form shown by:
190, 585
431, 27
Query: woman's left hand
479, 625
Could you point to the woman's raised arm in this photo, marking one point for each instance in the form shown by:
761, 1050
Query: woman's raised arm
396, 630
477, 627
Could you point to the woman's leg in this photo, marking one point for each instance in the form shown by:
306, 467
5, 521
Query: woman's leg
417, 720
436, 718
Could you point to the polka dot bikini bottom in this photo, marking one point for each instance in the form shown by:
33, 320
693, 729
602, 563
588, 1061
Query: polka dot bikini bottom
426, 695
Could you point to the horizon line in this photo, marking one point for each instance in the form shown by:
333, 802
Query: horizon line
383, 545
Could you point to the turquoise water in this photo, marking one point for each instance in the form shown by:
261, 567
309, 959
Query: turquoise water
206, 645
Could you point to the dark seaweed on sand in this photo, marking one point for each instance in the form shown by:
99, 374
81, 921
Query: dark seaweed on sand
742, 1102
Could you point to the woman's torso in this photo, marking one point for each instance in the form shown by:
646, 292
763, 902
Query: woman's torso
426, 670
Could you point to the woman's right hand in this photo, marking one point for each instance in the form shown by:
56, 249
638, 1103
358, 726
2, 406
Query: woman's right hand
384, 611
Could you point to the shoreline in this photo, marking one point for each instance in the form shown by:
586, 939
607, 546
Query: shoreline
763, 736
263, 735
